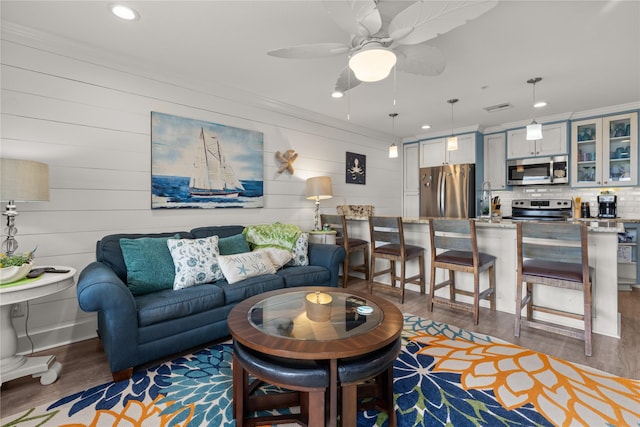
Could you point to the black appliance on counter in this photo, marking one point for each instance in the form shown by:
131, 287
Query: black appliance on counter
607, 206
541, 210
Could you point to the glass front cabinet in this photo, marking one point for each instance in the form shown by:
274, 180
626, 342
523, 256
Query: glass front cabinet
604, 151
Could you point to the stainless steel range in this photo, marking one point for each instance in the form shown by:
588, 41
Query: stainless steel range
541, 210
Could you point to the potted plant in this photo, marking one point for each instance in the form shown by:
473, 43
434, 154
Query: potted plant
15, 267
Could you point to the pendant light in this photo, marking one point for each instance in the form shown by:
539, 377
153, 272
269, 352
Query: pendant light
393, 148
452, 141
534, 130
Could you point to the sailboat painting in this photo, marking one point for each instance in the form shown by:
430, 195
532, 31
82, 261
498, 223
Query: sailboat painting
197, 164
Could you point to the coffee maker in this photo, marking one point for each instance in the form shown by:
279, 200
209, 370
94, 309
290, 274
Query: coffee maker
607, 206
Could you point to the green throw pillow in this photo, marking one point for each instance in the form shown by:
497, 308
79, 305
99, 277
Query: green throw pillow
233, 245
149, 264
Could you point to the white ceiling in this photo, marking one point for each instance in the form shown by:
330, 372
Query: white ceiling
587, 52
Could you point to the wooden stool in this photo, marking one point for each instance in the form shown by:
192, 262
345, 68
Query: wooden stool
387, 243
308, 379
366, 382
457, 237
351, 245
553, 254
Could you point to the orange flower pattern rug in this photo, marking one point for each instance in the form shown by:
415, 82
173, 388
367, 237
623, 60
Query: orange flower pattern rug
444, 376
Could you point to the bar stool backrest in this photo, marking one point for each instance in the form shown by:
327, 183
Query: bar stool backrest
460, 234
553, 241
386, 230
338, 223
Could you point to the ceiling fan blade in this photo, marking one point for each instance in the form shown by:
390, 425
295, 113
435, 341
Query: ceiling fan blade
420, 59
425, 20
359, 17
318, 50
346, 80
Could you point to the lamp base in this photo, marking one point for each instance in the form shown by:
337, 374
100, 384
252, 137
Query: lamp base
10, 244
316, 218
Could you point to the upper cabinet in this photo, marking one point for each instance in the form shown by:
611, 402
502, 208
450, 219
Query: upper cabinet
494, 161
411, 181
553, 142
604, 151
433, 152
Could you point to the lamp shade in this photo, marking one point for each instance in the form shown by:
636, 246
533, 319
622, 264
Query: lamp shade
393, 151
23, 180
452, 143
372, 64
534, 131
319, 188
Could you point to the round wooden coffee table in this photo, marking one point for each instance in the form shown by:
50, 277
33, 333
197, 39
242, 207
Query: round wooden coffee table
277, 323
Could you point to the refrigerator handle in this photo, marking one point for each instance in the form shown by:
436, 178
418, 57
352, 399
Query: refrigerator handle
441, 189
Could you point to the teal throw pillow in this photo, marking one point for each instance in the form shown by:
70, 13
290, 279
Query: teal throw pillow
233, 245
149, 264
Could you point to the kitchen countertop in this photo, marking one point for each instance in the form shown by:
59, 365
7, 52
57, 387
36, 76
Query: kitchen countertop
615, 225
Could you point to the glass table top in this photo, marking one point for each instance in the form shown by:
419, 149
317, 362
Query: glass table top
320, 316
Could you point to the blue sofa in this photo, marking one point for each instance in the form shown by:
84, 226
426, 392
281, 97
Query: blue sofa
137, 329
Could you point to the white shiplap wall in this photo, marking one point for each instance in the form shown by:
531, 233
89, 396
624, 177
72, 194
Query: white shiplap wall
88, 117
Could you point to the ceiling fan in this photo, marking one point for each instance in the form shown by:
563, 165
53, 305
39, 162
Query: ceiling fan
397, 38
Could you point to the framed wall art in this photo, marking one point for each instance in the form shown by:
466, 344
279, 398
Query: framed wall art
198, 164
356, 168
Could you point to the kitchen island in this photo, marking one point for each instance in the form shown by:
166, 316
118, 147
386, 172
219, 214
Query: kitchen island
498, 238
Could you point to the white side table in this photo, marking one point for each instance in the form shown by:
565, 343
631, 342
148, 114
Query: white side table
12, 365
321, 236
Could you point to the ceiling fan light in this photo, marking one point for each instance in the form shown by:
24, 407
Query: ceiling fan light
534, 131
373, 64
393, 151
452, 143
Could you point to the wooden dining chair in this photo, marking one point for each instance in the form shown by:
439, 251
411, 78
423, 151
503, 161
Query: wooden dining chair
388, 244
454, 247
351, 245
553, 254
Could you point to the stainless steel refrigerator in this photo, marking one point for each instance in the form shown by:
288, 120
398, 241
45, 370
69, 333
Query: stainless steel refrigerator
448, 191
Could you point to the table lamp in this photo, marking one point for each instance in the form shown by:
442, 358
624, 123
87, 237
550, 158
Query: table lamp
318, 188
20, 181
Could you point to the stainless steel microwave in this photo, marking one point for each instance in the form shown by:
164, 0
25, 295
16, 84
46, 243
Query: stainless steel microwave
538, 170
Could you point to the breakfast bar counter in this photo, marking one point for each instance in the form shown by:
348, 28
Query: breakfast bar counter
498, 238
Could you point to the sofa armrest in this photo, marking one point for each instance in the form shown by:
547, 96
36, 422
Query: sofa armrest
100, 289
328, 256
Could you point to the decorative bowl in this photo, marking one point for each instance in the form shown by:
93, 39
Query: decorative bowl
14, 273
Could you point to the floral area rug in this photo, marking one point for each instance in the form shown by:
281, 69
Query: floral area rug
443, 376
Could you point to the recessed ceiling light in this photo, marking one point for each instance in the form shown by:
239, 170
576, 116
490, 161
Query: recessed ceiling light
426, 126
337, 94
540, 104
124, 12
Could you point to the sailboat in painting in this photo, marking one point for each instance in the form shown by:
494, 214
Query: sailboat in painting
212, 176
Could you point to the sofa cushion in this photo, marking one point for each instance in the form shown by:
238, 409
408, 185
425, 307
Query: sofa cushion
239, 291
217, 230
149, 264
168, 304
195, 260
243, 266
309, 275
108, 249
301, 250
278, 257
233, 245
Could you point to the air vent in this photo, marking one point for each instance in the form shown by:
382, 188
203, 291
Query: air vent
499, 107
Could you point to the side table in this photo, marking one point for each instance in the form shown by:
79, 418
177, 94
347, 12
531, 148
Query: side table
12, 365
322, 236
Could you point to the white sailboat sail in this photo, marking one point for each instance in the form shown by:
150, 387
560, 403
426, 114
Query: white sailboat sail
212, 176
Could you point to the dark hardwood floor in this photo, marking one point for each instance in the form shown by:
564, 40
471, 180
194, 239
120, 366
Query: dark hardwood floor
84, 363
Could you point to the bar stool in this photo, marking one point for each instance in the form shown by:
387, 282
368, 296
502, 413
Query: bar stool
366, 382
457, 238
387, 243
553, 254
350, 244
308, 378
